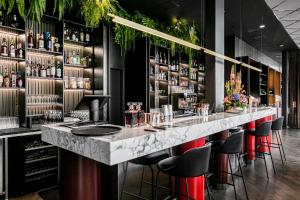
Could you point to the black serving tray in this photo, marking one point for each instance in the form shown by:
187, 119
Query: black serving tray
100, 130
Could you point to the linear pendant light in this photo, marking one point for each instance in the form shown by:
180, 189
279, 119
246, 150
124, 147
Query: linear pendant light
171, 38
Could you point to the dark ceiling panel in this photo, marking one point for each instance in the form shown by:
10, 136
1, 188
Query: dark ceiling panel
254, 14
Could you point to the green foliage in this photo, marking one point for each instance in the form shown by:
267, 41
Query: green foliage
61, 6
36, 10
94, 11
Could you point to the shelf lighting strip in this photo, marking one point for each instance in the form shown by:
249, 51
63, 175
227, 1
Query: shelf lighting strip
171, 38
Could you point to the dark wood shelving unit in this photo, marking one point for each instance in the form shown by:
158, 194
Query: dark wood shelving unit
164, 72
265, 85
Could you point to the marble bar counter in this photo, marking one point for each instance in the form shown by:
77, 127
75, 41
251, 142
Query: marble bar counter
131, 143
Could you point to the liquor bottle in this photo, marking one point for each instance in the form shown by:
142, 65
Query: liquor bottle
48, 69
73, 35
41, 42
30, 39
33, 65
12, 49
58, 70
87, 36
43, 71
52, 70
49, 42
4, 47
65, 31
78, 57
76, 36
19, 80
6, 79
1, 79
56, 45
74, 60
37, 68
160, 58
156, 57
28, 68
165, 58
19, 50
81, 35
13, 79
1, 19
70, 58
15, 23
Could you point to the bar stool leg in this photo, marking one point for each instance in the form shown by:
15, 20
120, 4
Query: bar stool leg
187, 189
238, 158
271, 154
264, 157
142, 180
231, 173
279, 147
281, 144
152, 181
207, 187
156, 184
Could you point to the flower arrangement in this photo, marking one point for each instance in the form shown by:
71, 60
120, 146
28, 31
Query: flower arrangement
236, 98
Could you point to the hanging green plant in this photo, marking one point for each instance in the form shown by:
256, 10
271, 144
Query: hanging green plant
61, 6
36, 10
94, 11
10, 4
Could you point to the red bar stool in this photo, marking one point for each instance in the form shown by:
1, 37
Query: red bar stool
192, 163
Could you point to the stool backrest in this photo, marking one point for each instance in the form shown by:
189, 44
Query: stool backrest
233, 143
194, 162
263, 129
277, 124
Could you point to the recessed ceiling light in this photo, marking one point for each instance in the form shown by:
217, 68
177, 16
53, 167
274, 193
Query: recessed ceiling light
262, 26
281, 45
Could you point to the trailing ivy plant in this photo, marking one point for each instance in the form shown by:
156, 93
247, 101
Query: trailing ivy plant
61, 6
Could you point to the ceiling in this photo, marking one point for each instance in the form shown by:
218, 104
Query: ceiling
253, 14
243, 18
288, 13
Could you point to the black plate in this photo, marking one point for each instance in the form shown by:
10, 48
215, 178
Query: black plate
96, 130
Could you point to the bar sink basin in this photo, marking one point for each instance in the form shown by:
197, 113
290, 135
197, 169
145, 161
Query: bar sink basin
98, 130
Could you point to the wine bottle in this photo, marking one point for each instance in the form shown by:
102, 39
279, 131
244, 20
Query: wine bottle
52, 70
41, 42
81, 35
28, 68
87, 36
12, 49
19, 50
43, 71
30, 39
56, 45
4, 47
15, 23
48, 69
13, 79
19, 80
58, 70
49, 42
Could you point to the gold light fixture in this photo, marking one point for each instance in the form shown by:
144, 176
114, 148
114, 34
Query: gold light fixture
145, 29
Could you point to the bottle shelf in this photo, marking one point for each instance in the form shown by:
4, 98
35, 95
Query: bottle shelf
75, 65
39, 147
12, 58
76, 43
44, 104
10, 28
40, 159
43, 78
44, 51
11, 88
40, 171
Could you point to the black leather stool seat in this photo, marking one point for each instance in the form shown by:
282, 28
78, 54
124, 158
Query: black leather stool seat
151, 159
167, 165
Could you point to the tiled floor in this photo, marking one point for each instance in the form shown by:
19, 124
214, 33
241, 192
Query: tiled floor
283, 186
